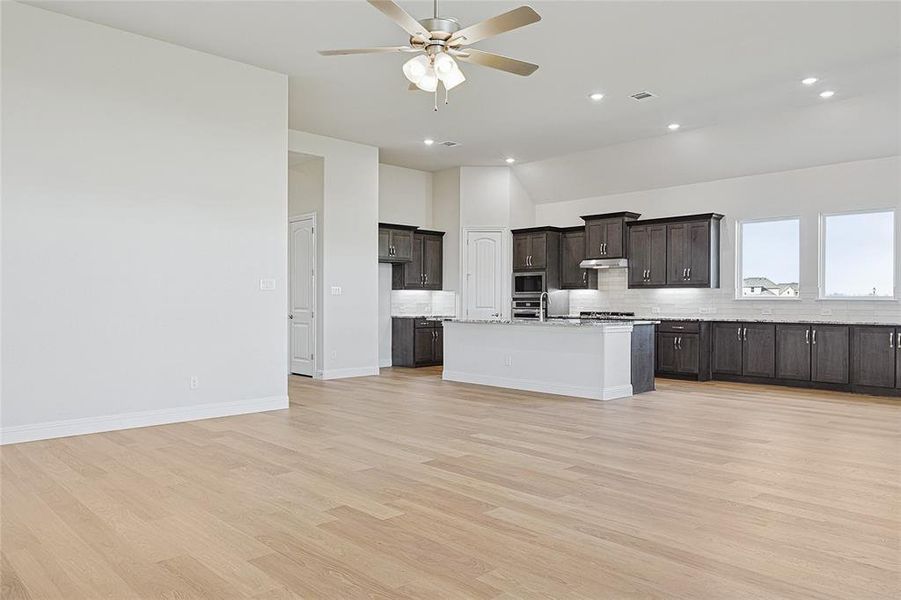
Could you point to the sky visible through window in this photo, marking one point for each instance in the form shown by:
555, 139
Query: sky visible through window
858, 255
770, 254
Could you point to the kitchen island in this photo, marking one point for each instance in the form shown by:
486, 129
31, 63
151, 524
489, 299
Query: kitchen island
568, 357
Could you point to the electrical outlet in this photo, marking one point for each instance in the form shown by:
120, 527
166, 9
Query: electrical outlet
334, 354
508, 361
655, 310
194, 382
766, 311
826, 312
267, 285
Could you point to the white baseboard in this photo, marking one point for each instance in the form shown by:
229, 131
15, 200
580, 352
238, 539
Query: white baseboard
384, 364
351, 372
147, 418
539, 386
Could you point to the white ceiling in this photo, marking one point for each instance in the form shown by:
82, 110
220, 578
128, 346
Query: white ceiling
709, 62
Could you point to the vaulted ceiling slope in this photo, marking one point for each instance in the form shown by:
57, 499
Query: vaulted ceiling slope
708, 62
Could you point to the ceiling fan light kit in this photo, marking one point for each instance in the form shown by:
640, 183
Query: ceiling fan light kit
441, 40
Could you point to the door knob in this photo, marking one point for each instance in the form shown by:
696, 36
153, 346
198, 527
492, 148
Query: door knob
290, 316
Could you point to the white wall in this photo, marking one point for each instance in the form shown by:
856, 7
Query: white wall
348, 229
144, 197
522, 209
305, 187
405, 196
446, 217
806, 193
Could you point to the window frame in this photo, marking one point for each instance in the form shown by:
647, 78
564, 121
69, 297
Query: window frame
739, 251
821, 258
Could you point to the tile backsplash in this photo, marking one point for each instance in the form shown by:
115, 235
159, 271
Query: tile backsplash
415, 303
613, 294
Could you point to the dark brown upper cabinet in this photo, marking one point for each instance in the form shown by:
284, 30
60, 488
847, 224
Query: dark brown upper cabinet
690, 257
605, 234
395, 243
531, 248
572, 253
874, 356
647, 256
424, 271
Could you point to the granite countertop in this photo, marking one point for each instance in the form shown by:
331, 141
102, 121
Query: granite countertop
554, 322
711, 319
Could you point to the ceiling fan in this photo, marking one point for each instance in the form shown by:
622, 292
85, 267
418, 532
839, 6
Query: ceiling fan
437, 41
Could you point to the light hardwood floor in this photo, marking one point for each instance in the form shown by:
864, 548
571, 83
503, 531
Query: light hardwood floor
404, 486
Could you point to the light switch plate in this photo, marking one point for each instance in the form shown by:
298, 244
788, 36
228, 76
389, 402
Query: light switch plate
336, 290
267, 285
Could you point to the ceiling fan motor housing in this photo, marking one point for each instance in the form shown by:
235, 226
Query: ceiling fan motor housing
440, 30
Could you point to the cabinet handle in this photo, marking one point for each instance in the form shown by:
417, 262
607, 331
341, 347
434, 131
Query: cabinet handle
891, 340
746, 334
739, 334
899, 340
689, 273
807, 336
674, 343
814, 337
680, 342
584, 277
426, 276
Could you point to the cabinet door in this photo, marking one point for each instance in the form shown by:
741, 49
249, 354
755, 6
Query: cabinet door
793, 352
727, 348
639, 255
423, 346
666, 352
676, 236
831, 356
438, 352
759, 352
613, 237
413, 269
384, 244
538, 251
432, 257
402, 241
573, 252
521, 251
873, 356
898, 358
687, 356
697, 252
657, 255
595, 238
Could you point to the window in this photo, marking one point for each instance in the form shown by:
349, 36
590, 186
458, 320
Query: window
857, 255
769, 259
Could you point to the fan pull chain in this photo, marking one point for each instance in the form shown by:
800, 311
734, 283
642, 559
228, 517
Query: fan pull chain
436, 99
445, 95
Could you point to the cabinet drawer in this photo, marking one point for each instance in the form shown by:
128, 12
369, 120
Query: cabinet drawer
425, 324
679, 327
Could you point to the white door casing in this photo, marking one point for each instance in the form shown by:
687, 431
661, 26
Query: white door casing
302, 297
484, 279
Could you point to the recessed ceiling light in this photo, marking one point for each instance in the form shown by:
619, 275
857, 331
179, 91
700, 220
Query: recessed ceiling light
596, 96
428, 141
673, 126
809, 81
510, 160
827, 94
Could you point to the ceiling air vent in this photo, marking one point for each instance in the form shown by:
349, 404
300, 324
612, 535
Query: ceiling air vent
449, 144
641, 96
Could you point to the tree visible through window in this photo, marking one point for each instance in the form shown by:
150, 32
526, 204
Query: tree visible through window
770, 259
858, 255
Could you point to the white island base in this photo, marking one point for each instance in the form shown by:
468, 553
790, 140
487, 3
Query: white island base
584, 360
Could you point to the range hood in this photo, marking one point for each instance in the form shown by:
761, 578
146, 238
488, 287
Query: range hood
604, 263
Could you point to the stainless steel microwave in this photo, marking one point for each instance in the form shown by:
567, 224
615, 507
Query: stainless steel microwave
528, 284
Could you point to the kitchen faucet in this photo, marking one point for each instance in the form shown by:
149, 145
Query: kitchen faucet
541, 306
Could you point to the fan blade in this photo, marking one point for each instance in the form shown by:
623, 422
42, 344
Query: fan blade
495, 61
382, 50
394, 12
514, 19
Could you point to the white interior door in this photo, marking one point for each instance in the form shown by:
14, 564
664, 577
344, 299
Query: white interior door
484, 274
301, 318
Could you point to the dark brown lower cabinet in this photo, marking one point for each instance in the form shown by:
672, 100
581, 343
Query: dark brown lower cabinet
793, 352
759, 350
874, 356
830, 360
898, 358
416, 342
678, 353
726, 348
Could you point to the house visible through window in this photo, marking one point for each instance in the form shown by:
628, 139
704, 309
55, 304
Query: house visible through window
770, 259
857, 255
